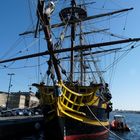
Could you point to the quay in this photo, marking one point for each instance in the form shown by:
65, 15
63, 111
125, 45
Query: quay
16, 126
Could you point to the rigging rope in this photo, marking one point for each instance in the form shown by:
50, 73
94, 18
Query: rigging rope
7, 67
118, 59
30, 12
112, 71
106, 19
103, 125
97, 69
11, 48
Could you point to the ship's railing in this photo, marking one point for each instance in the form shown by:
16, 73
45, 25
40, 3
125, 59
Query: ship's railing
47, 97
71, 102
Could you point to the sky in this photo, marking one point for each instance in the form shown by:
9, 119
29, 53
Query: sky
125, 86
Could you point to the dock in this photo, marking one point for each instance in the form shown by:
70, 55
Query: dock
20, 125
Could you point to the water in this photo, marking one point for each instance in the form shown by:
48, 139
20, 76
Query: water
132, 119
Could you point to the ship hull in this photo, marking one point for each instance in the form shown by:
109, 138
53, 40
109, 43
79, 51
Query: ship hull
96, 136
73, 119
54, 129
76, 130
64, 128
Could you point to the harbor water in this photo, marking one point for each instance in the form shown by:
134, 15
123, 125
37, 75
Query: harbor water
132, 119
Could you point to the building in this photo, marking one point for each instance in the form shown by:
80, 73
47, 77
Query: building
31, 100
3, 99
18, 99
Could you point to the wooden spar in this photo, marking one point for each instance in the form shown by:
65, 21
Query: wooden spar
85, 19
45, 22
72, 40
97, 52
25, 57
89, 71
85, 33
83, 47
81, 56
85, 4
37, 28
76, 48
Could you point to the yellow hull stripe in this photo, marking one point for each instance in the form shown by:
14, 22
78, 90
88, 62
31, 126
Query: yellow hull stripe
82, 118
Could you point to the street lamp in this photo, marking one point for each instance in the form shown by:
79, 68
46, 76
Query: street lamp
10, 74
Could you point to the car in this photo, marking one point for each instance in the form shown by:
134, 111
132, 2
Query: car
27, 112
19, 112
37, 111
6, 113
13, 112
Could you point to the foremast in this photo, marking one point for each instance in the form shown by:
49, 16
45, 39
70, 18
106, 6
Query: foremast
43, 15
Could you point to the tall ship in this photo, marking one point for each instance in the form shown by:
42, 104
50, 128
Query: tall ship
74, 91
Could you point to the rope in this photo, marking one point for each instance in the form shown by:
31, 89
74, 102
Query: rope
102, 124
118, 59
97, 68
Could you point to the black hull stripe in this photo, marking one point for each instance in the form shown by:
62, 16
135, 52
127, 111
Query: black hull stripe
74, 127
100, 136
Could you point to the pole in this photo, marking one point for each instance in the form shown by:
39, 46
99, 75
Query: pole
73, 4
10, 74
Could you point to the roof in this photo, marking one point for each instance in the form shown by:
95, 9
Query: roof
118, 116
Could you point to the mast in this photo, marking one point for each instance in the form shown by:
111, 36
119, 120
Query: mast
73, 4
43, 15
81, 57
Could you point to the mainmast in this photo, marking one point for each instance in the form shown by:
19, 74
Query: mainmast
70, 15
81, 57
73, 4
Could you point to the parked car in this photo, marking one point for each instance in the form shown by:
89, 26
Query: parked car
13, 112
19, 112
27, 112
38, 111
6, 113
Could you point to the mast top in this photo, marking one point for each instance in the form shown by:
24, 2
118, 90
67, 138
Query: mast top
65, 14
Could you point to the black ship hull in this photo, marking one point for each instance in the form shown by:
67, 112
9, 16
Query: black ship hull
63, 128
75, 130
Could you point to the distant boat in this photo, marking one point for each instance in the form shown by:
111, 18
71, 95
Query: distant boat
119, 124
